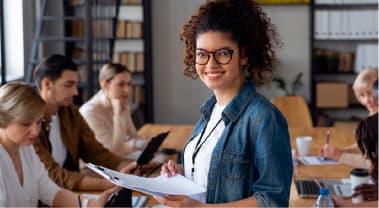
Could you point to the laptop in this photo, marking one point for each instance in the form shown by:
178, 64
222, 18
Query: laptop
310, 188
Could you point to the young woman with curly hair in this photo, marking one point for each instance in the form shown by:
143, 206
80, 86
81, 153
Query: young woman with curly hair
240, 148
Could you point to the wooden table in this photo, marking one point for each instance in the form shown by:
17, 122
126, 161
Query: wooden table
176, 138
339, 137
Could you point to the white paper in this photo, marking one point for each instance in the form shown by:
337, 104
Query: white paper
316, 160
343, 190
161, 185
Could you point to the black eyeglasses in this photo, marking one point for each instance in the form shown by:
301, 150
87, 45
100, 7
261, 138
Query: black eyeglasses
222, 56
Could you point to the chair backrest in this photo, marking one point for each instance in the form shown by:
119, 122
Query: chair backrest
295, 110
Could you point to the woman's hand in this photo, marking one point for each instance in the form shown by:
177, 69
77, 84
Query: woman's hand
340, 203
178, 201
119, 106
129, 168
100, 202
368, 191
171, 168
330, 152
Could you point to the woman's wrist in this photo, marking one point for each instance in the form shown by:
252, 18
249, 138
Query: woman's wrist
85, 202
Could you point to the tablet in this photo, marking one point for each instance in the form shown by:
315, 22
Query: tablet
151, 148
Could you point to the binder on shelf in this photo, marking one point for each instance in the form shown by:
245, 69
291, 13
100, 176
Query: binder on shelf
345, 22
335, 24
367, 57
140, 62
121, 29
373, 24
322, 24
317, 25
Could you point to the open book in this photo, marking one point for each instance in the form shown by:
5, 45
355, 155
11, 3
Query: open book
159, 186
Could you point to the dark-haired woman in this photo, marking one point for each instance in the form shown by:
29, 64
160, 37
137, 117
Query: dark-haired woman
367, 140
240, 148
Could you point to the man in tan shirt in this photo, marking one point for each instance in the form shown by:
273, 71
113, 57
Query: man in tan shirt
66, 137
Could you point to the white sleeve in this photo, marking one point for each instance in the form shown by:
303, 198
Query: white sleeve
46, 187
3, 193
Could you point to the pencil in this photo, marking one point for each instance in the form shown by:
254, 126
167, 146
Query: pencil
327, 136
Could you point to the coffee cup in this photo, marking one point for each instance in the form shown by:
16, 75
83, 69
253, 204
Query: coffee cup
358, 176
303, 145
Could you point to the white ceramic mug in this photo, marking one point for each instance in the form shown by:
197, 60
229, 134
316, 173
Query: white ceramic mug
303, 145
358, 176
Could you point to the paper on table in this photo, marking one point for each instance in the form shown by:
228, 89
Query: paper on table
175, 185
316, 160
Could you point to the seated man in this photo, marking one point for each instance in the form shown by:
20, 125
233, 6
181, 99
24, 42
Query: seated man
65, 137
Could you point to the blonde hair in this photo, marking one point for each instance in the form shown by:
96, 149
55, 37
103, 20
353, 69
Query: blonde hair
365, 80
109, 71
19, 102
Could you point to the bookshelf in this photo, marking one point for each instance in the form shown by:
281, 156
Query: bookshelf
133, 49
341, 32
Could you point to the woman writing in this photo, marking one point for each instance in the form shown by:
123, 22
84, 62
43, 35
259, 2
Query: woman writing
240, 149
364, 91
23, 178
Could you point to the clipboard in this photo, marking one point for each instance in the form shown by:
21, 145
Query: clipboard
158, 186
151, 148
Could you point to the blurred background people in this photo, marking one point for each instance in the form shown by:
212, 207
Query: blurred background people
364, 90
23, 178
66, 137
108, 112
367, 140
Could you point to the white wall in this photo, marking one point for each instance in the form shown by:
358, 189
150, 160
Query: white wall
292, 22
13, 39
177, 99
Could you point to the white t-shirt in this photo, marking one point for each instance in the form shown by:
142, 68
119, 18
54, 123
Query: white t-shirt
36, 186
203, 157
59, 150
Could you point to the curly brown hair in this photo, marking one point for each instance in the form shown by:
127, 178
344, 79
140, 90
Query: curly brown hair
247, 24
367, 140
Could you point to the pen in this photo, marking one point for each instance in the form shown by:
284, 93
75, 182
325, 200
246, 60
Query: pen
327, 136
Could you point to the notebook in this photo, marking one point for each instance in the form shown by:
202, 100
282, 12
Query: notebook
308, 188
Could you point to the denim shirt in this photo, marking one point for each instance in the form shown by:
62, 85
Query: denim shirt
253, 155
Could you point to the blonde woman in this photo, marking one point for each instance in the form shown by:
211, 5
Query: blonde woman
23, 178
363, 88
108, 113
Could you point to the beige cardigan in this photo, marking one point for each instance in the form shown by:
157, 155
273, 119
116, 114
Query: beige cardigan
98, 113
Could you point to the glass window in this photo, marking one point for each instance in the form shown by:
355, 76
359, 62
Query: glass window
13, 36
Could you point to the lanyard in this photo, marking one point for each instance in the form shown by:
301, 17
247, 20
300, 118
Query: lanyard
199, 145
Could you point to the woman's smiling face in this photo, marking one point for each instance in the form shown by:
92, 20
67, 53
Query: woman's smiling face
219, 75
